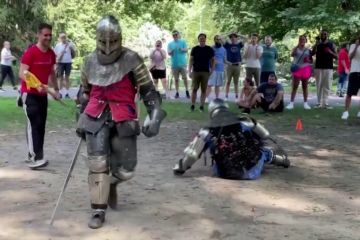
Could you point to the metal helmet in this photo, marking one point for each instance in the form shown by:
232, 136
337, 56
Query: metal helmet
108, 40
215, 105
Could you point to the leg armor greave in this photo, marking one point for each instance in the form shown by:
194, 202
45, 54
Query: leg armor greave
123, 158
99, 180
193, 151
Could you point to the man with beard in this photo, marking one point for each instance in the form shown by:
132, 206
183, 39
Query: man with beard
217, 77
111, 77
325, 52
237, 145
38, 59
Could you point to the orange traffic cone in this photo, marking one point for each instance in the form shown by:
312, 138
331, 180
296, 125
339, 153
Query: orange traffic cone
299, 126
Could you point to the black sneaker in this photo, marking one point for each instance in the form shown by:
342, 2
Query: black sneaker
201, 108
67, 95
187, 94
192, 108
176, 95
15, 88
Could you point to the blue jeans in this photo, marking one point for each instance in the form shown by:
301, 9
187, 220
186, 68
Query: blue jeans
342, 83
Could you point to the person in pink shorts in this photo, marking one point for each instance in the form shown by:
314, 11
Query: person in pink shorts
302, 72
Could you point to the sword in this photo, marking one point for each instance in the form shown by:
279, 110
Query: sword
66, 180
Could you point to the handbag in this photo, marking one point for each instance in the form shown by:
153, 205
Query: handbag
294, 66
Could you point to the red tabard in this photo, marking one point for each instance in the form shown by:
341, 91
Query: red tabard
120, 97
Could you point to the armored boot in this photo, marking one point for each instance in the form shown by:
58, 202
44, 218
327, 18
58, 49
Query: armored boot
97, 218
178, 168
280, 160
112, 200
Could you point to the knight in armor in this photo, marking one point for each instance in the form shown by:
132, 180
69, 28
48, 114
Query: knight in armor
238, 145
111, 77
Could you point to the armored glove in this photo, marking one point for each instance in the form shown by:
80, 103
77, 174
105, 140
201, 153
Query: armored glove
152, 122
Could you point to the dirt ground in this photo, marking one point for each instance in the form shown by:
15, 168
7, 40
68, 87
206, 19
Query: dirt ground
317, 198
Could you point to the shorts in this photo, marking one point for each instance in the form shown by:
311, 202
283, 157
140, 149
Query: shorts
303, 73
216, 79
179, 71
63, 68
200, 79
354, 84
158, 73
265, 106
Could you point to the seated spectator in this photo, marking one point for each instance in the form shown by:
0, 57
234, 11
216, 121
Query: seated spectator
270, 96
247, 93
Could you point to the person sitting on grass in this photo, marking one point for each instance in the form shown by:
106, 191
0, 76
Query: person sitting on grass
269, 96
247, 93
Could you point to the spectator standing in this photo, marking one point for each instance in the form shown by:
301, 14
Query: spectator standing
301, 71
270, 96
233, 56
325, 52
343, 70
6, 70
217, 77
65, 52
177, 49
252, 55
354, 77
39, 59
268, 59
158, 67
201, 65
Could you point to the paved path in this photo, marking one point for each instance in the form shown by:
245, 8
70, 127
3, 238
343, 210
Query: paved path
333, 99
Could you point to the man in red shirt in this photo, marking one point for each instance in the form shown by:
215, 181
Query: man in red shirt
343, 70
38, 59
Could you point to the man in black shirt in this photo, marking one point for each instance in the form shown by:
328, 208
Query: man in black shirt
325, 52
201, 65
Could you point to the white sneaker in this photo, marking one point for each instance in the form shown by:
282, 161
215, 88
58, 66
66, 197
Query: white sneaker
206, 100
290, 106
345, 115
38, 164
358, 114
306, 106
226, 99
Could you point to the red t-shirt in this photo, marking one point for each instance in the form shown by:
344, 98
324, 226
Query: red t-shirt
343, 56
40, 64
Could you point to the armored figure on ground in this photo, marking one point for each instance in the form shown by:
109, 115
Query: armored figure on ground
237, 145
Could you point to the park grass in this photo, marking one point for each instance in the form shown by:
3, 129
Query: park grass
12, 118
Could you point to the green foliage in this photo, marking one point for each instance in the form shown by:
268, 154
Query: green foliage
278, 17
18, 22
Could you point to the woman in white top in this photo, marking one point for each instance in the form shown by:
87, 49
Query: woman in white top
157, 66
354, 77
252, 55
6, 69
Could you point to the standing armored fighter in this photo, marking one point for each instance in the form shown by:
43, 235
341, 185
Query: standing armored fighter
237, 145
111, 77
